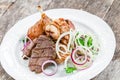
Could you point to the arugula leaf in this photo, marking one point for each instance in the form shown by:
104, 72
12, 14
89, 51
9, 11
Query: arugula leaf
70, 69
90, 40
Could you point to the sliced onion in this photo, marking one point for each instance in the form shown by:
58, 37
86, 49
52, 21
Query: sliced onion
57, 43
64, 47
80, 57
26, 37
74, 53
86, 40
70, 41
88, 62
84, 66
55, 69
27, 43
66, 61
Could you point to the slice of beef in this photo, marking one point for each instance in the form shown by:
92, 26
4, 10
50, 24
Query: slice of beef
36, 63
43, 50
46, 52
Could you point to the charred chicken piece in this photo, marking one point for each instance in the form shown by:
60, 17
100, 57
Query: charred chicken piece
38, 28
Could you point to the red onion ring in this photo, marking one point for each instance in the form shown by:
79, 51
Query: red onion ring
82, 67
73, 54
55, 70
26, 43
88, 62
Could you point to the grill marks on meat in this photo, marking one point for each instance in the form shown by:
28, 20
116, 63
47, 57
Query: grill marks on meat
46, 52
36, 63
43, 50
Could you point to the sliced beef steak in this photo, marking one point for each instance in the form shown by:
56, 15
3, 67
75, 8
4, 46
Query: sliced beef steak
43, 50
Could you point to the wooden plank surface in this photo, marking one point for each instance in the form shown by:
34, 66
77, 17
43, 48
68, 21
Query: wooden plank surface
12, 11
5, 5
99, 7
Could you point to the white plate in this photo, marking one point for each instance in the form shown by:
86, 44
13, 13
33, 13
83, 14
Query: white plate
16, 67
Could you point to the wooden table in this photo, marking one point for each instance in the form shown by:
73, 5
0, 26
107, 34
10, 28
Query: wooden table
13, 10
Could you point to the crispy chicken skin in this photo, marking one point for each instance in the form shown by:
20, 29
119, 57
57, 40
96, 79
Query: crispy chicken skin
38, 28
52, 28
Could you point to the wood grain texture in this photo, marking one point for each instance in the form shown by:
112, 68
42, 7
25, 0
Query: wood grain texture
99, 7
76, 4
12, 11
5, 5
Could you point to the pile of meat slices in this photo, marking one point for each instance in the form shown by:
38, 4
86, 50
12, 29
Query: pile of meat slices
44, 35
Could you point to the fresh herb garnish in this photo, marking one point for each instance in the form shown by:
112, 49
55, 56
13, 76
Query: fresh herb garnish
90, 40
82, 41
70, 69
